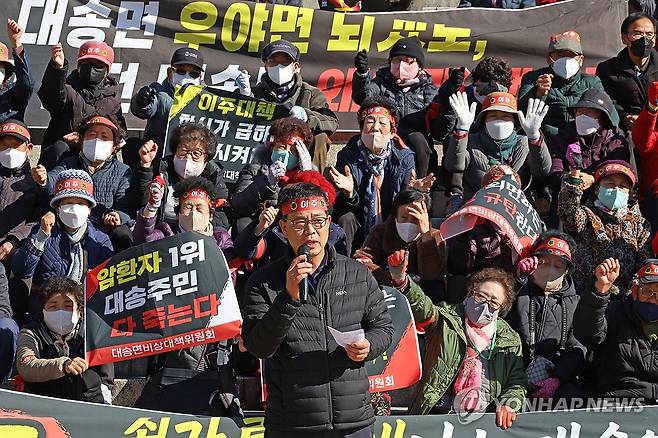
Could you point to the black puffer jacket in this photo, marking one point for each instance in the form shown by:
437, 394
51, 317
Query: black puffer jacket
312, 383
627, 362
410, 102
69, 101
548, 327
252, 187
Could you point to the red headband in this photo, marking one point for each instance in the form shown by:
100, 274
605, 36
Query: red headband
378, 110
614, 168
303, 204
203, 195
75, 183
14, 128
556, 247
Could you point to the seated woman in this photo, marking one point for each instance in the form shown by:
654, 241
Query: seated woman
622, 333
99, 140
608, 224
543, 315
271, 168
195, 200
408, 227
191, 153
66, 244
51, 350
494, 139
473, 360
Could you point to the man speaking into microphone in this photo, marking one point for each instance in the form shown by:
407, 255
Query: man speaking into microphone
315, 388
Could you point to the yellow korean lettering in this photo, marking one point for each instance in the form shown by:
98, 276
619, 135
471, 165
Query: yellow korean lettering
257, 34
193, 427
213, 429
400, 426
198, 18
143, 426
410, 28
253, 428
242, 13
449, 36
350, 37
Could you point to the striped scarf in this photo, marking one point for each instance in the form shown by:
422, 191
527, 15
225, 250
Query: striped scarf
373, 169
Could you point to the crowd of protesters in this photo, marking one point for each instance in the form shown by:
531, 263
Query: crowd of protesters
575, 316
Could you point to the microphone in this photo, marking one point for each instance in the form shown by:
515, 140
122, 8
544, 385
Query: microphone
303, 285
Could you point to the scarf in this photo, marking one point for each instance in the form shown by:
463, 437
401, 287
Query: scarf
373, 170
472, 383
77, 258
619, 213
498, 151
282, 92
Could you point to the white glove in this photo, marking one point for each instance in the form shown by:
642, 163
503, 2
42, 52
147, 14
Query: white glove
242, 81
305, 162
531, 122
299, 113
275, 172
465, 115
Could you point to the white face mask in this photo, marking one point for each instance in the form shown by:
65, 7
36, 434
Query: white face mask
74, 215
12, 158
586, 125
407, 231
566, 67
194, 221
281, 74
179, 79
188, 168
61, 322
499, 129
96, 149
376, 142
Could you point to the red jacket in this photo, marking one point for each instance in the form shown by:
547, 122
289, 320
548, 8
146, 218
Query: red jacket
645, 137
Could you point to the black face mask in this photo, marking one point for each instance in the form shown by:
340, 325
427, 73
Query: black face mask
642, 47
92, 73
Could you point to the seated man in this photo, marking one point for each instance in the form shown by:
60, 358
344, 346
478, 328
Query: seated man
282, 83
622, 332
21, 201
561, 84
51, 350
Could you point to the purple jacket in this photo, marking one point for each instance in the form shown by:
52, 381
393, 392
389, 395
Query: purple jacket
570, 151
149, 230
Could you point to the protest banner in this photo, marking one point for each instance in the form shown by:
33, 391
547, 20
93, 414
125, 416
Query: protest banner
25, 415
400, 365
240, 123
232, 34
160, 296
503, 203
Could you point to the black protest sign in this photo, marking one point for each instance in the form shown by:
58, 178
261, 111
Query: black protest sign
161, 296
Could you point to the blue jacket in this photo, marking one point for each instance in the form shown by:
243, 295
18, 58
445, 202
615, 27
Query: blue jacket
16, 95
156, 114
396, 177
55, 259
112, 189
505, 4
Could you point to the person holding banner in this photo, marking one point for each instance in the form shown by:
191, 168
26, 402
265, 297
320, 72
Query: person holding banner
87, 91
282, 83
51, 350
406, 83
561, 84
370, 171
191, 152
543, 315
315, 387
272, 167
622, 333
495, 140
16, 81
608, 224
153, 102
473, 361
64, 244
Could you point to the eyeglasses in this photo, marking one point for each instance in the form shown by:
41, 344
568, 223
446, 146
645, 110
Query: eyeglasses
637, 34
301, 224
481, 299
193, 73
195, 154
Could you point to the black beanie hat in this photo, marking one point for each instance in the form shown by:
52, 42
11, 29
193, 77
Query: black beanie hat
409, 46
